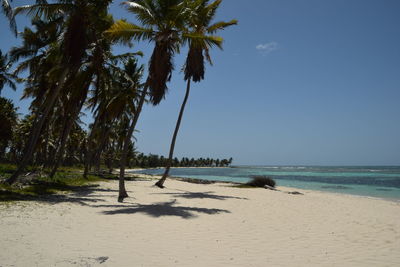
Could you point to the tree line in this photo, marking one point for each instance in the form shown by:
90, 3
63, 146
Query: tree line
14, 131
70, 64
154, 161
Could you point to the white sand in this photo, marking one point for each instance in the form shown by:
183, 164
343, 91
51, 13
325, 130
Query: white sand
200, 225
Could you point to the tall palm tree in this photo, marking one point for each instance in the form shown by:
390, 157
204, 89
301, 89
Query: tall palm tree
39, 61
116, 101
72, 105
6, 78
134, 72
162, 23
80, 20
201, 39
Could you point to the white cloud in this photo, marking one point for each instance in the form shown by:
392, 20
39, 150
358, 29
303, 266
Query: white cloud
267, 47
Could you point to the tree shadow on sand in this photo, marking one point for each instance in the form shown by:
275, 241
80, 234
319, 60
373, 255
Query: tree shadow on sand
92, 190
201, 195
162, 209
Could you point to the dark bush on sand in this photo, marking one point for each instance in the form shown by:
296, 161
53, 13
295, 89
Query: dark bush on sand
261, 181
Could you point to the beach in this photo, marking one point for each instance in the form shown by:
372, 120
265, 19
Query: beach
189, 224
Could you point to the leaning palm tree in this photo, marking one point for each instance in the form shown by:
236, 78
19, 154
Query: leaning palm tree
128, 102
201, 39
162, 23
106, 87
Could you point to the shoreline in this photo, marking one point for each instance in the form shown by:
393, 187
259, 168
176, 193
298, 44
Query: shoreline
130, 172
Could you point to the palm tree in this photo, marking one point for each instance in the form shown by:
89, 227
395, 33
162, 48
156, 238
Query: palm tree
163, 21
114, 103
6, 78
71, 107
135, 74
80, 20
39, 61
201, 39
100, 69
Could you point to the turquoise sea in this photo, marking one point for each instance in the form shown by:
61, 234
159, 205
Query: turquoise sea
372, 181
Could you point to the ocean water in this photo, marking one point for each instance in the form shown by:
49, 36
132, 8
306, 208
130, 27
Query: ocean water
381, 182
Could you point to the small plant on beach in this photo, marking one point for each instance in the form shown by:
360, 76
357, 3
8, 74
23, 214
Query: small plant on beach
261, 181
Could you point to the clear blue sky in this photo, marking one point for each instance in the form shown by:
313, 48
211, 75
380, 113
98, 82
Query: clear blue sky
310, 82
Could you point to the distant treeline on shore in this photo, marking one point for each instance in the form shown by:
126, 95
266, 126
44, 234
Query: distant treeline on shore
154, 161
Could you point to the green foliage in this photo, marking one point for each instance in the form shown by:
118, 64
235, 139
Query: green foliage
67, 180
67, 57
6, 78
200, 36
7, 169
154, 161
162, 22
8, 118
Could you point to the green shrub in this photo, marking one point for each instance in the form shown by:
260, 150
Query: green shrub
261, 181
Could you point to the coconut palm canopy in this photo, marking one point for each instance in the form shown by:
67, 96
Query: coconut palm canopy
68, 64
162, 22
201, 36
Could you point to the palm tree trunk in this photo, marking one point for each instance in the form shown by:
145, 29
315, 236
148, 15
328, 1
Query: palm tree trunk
102, 145
160, 183
110, 161
69, 123
36, 130
122, 190
46, 159
60, 150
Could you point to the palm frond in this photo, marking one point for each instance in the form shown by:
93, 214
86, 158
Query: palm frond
8, 11
221, 25
143, 13
126, 56
204, 41
122, 31
194, 66
160, 71
45, 11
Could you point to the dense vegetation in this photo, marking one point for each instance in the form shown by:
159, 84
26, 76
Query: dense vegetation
68, 64
14, 132
261, 181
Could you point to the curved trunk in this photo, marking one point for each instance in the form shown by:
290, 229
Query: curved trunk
160, 183
36, 130
122, 190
